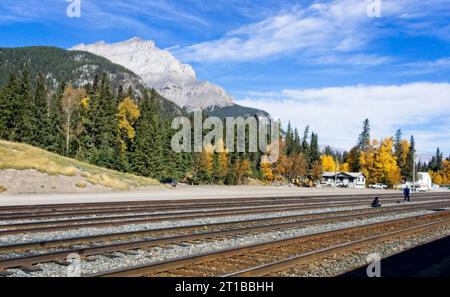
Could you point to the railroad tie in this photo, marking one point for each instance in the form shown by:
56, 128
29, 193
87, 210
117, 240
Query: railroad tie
4, 273
30, 268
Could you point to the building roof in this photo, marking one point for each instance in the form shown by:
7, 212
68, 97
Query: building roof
352, 174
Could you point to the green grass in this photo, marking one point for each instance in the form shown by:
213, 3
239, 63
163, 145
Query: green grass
2, 188
23, 157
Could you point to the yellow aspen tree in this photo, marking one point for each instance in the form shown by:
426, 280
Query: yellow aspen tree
70, 103
127, 115
328, 163
206, 163
245, 170
441, 177
221, 168
404, 147
366, 161
299, 166
266, 169
379, 163
344, 167
283, 166
316, 171
390, 170
446, 172
237, 171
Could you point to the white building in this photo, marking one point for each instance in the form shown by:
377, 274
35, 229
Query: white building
424, 181
356, 180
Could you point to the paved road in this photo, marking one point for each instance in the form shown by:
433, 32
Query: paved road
182, 192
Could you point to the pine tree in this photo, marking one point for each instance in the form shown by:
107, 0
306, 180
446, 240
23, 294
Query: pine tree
55, 140
10, 111
364, 137
146, 154
408, 170
41, 120
297, 146
398, 144
26, 102
289, 140
439, 160
305, 144
314, 154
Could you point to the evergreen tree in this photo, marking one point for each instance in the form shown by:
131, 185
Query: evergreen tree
314, 152
55, 135
305, 144
408, 170
297, 146
25, 128
289, 140
439, 160
398, 144
10, 111
41, 121
364, 137
146, 153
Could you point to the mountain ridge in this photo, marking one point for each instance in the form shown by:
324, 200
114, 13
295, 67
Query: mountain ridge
160, 70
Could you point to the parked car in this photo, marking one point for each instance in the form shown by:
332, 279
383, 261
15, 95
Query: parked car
169, 181
435, 187
378, 186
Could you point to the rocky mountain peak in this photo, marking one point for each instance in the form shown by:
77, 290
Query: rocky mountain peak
160, 70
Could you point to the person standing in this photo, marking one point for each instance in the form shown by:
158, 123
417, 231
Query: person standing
407, 194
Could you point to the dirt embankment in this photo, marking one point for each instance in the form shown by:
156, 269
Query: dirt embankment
27, 169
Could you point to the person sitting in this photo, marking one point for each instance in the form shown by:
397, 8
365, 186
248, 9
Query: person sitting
376, 202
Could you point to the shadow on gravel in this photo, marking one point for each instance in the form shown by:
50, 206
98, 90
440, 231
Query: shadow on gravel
429, 260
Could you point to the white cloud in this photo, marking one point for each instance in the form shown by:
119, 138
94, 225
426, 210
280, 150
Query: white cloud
325, 31
425, 67
337, 113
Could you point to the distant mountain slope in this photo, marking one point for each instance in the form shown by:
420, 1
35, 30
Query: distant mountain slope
78, 68
236, 111
62, 65
160, 70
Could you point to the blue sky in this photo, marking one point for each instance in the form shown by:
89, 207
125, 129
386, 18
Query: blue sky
323, 63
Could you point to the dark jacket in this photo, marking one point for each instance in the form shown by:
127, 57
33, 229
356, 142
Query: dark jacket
407, 191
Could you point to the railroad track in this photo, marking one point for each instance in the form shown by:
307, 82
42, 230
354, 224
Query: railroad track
71, 223
273, 257
46, 211
102, 244
48, 218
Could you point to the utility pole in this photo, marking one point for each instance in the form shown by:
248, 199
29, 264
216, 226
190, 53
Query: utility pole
414, 172
335, 171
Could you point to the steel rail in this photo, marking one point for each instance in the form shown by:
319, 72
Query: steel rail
285, 264
170, 265
48, 226
195, 202
52, 213
155, 232
90, 251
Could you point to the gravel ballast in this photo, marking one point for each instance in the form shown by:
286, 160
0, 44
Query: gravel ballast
157, 254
